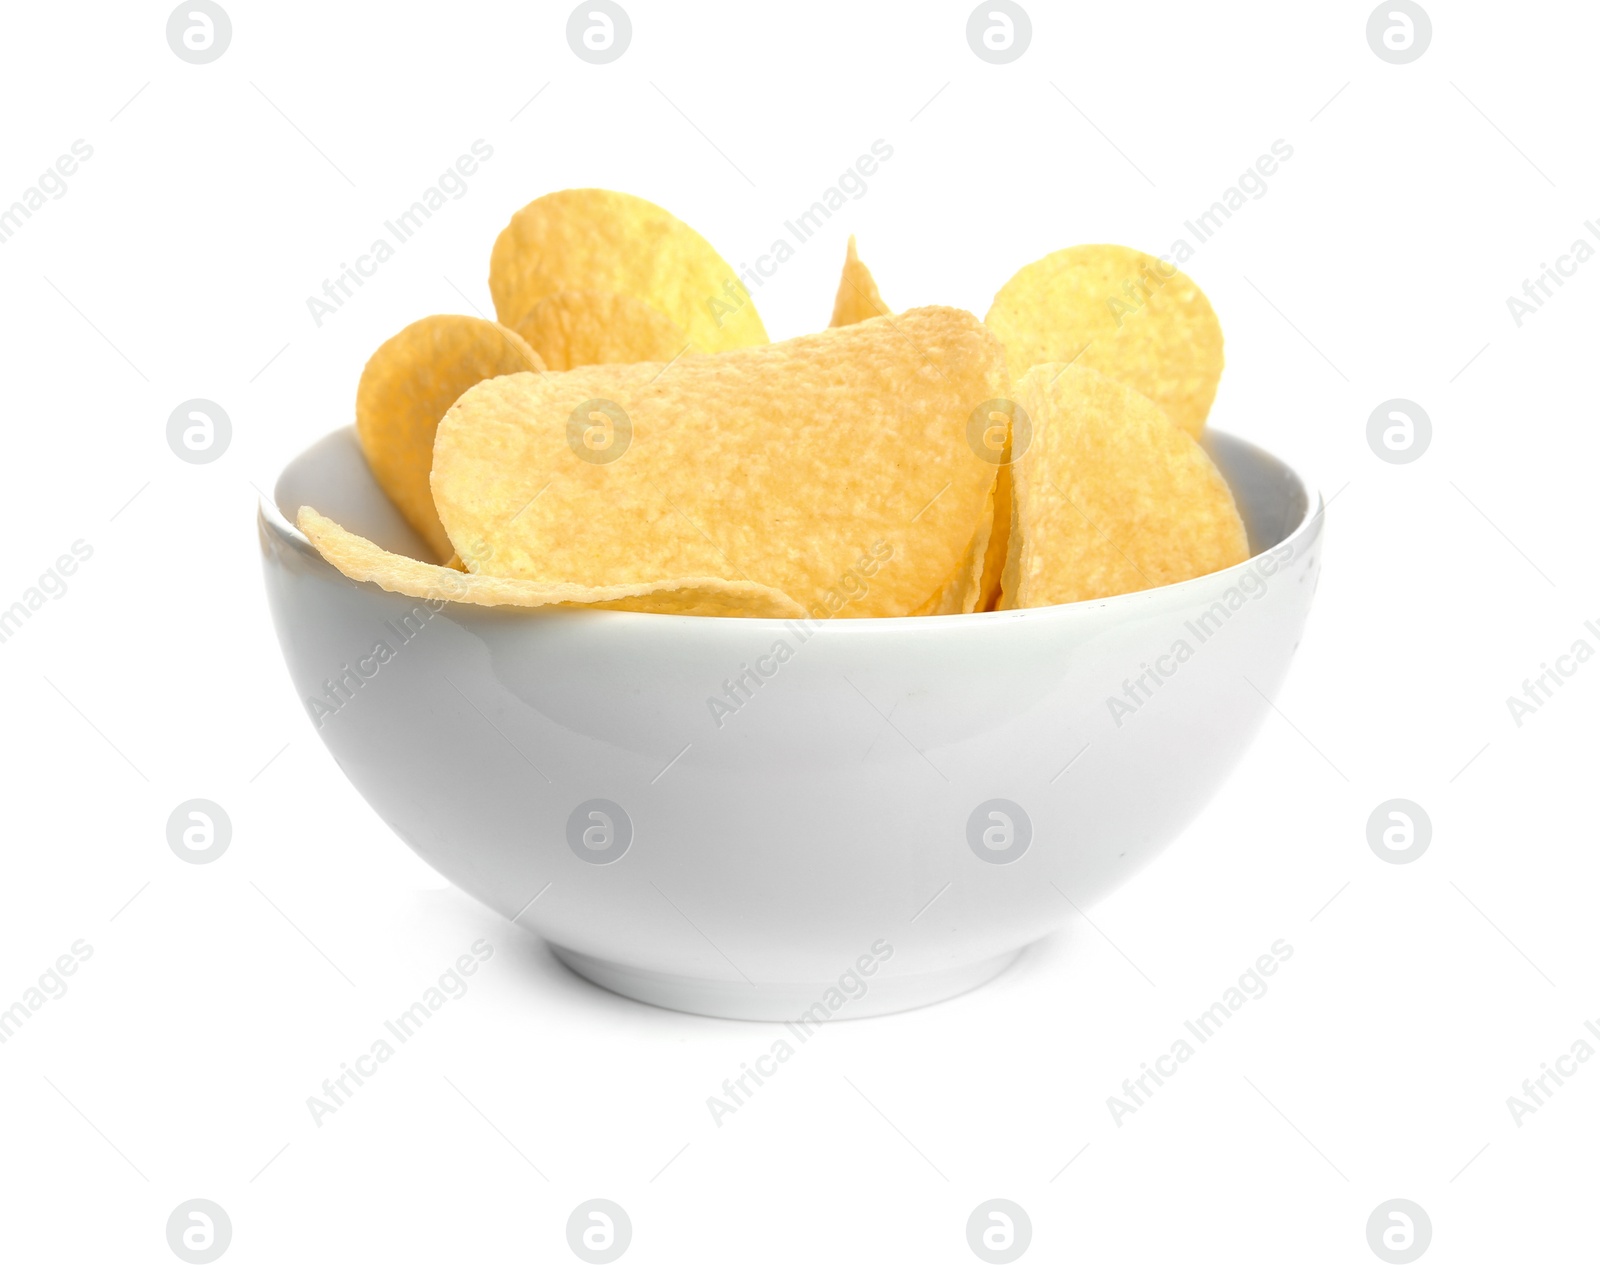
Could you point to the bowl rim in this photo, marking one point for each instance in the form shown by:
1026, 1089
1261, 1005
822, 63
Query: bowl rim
269, 516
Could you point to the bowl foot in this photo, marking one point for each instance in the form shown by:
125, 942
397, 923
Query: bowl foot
737, 999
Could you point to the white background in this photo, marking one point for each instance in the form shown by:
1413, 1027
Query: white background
220, 996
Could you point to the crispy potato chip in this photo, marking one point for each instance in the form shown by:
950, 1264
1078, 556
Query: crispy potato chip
590, 327
1110, 496
1133, 317
962, 593
858, 298
999, 531
594, 239
405, 389
360, 559
834, 467
994, 559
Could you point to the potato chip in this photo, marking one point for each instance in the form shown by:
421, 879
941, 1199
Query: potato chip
994, 559
1110, 496
360, 559
834, 467
594, 239
858, 298
405, 389
962, 593
590, 327
1131, 316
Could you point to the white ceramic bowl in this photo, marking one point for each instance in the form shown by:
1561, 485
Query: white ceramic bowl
831, 847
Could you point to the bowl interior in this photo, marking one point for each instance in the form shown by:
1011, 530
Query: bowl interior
332, 477
1273, 500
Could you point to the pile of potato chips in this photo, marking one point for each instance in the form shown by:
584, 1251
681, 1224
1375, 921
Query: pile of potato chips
625, 435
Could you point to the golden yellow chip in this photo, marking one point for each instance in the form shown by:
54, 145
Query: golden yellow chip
858, 298
992, 433
360, 559
1129, 315
1110, 496
590, 327
405, 389
834, 467
994, 559
594, 239
962, 593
